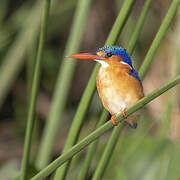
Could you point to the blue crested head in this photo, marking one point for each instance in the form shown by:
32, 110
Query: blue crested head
117, 50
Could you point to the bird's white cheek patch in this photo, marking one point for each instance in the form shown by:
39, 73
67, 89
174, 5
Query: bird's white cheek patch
122, 62
104, 64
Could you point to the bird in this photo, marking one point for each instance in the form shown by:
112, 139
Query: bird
118, 83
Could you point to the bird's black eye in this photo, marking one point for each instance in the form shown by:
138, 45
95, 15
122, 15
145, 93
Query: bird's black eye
109, 54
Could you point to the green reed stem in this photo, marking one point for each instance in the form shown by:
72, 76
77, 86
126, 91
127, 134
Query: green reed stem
35, 86
63, 82
90, 88
91, 149
120, 22
166, 118
14, 59
101, 130
131, 47
107, 153
138, 28
26, 38
116, 131
157, 40
114, 136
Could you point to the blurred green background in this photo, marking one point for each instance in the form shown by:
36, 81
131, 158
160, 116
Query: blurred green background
152, 151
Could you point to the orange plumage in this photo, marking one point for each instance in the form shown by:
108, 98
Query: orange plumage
116, 88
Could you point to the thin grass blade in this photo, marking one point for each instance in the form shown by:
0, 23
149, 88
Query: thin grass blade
35, 86
114, 137
131, 46
17, 51
104, 128
159, 36
91, 149
90, 88
62, 85
116, 131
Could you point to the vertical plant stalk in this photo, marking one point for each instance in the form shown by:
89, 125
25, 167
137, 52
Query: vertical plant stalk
90, 88
30, 64
114, 136
104, 114
116, 131
101, 130
100, 170
120, 22
137, 30
63, 82
91, 150
13, 61
157, 40
166, 118
35, 86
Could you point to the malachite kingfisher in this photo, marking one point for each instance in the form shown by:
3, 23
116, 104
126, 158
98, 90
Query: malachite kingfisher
119, 85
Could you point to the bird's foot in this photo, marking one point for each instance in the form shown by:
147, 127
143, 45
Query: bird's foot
123, 113
113, 119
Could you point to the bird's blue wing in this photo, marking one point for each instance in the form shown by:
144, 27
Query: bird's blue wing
135, 74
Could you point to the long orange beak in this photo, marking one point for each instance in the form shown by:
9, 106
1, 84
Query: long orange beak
88, 56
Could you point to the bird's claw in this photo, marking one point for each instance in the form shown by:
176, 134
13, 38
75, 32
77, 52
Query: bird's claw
113, 120
123, 113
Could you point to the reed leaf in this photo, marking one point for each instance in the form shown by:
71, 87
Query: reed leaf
17, 51
62, 85
143, 70
91, 149
130, 48
35, 86
104, 128
159, 36
90, 88
14, 60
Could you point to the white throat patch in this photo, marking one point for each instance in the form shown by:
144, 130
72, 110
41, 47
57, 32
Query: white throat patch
122, 62
103, 63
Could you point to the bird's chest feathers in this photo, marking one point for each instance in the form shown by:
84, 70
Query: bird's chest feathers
113, 95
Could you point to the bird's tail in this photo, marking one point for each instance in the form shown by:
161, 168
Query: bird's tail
132, 120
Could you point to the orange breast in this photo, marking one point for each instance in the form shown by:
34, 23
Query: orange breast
116, 88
